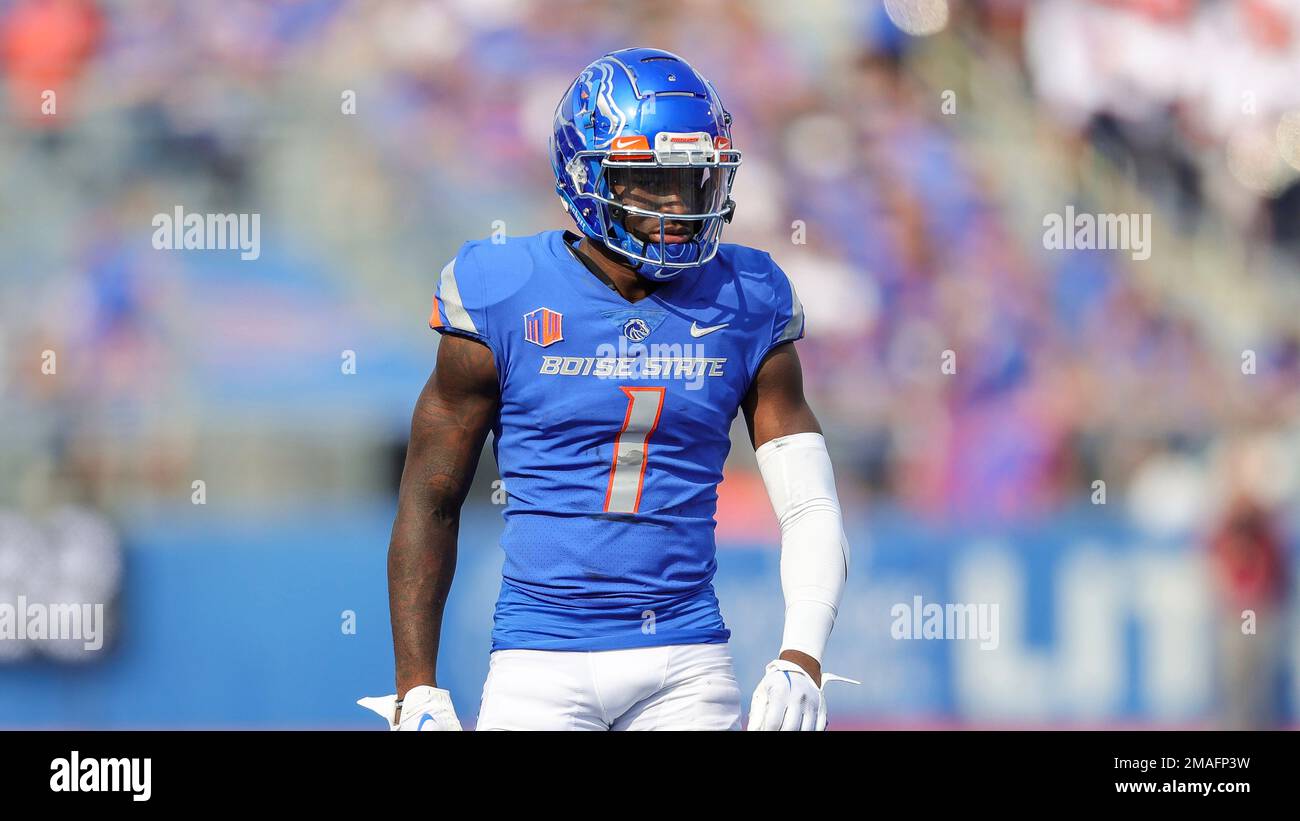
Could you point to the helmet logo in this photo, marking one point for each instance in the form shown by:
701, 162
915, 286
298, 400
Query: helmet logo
610, 116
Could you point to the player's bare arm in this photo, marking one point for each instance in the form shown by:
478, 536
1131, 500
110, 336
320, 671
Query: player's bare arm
450, 423
452, 417
814, 563
775, 405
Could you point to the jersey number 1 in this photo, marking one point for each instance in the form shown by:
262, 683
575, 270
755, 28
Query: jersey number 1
627, 474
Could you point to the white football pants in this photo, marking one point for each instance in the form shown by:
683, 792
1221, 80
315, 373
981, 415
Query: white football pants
677, 687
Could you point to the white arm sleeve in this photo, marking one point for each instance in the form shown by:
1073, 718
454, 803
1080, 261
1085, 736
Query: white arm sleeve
814, 552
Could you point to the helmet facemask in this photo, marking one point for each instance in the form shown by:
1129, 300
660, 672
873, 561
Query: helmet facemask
664, 209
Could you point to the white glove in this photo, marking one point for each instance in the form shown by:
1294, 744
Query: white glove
787, 699
424, 708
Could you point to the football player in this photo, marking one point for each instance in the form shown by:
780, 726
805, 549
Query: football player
608, 365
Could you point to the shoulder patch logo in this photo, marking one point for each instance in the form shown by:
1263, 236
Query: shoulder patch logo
543, 327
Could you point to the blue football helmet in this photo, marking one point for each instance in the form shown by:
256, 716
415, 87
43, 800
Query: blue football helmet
642, 140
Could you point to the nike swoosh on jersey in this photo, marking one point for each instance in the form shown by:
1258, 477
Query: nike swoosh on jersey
697, 331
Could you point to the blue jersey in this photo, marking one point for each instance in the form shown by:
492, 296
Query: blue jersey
613, 427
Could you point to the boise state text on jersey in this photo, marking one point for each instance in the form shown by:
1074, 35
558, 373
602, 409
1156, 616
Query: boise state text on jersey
612, 432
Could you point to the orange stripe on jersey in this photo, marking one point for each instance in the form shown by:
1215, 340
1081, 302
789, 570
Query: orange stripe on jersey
435, 321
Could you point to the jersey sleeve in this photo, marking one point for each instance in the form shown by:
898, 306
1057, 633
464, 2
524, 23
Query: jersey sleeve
787, 316
458, 300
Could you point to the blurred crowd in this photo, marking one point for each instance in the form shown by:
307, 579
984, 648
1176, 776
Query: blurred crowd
900, 178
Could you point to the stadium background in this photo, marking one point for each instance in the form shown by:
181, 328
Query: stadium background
902, 180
